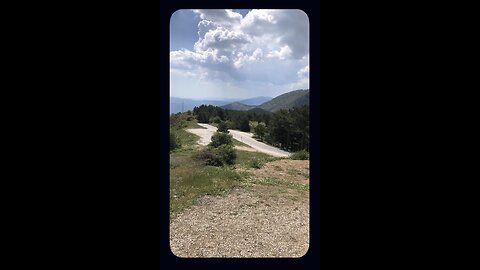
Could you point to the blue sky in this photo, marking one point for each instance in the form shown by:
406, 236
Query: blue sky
217, 54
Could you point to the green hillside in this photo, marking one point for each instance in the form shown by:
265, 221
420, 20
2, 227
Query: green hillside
286, 101
259, 111
237, 106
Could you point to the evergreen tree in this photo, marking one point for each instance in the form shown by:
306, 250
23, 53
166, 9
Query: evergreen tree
244, 124
223, 127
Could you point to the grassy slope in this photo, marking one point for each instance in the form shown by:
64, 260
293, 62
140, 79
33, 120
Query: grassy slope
244, 157
239, 143
190, 179
194, 124
180, 121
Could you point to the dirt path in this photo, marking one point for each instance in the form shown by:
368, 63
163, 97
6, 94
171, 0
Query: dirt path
268, 216
245, 137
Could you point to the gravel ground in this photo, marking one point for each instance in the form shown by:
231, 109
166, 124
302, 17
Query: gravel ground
254, 221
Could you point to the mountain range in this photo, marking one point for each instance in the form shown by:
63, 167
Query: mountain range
285, 101
255, 101
237, 106
184, 104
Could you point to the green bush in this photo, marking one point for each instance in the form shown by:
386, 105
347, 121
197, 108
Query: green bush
300, 155
224, 154
220, 138
222, 127
215, 119
182, 124
227, 153
174, 141
209, 157
256, 163
230, 124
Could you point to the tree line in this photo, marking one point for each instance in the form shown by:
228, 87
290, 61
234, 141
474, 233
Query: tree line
288, 129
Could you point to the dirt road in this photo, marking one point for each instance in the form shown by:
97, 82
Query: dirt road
244, 137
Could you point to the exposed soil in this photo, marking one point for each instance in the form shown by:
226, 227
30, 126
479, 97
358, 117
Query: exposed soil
258, 219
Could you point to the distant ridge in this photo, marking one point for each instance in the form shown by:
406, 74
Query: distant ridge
288, 100
237, 106
255, 101
246, 104
185, 104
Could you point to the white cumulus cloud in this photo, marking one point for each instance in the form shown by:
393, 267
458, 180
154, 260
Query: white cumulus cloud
266, 48
283, 53
304, 72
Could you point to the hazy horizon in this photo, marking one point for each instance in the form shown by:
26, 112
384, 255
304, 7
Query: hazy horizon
219, 98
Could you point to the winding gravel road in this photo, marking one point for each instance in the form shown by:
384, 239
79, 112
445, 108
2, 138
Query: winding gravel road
245, 137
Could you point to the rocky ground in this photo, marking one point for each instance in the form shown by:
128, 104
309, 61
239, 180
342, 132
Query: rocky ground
266, 216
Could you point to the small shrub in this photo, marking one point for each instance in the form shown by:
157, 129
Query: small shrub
210, 158
220, 138
224, 154
182, 124
300, 155
256, 163
227, 153
174, 141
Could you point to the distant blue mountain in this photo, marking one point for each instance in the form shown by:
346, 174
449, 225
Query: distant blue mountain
237, 106
176, 103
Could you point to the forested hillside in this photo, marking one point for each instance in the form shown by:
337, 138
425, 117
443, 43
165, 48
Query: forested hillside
237, 106
287, 129
288, 100
255, 101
